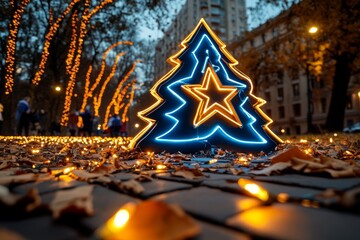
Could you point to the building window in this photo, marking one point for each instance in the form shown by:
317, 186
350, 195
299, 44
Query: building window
297, 129
268, 112
281, 112
280, 76
268, 96
263, 38
275, 32
323, 105
296, 89
297, 109
280, 93
349, 104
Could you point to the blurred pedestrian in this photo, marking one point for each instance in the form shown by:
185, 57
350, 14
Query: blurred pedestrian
87, 121
1, 117
123, 130
43, 121
22, 117
34, 122
114, 125
73, 123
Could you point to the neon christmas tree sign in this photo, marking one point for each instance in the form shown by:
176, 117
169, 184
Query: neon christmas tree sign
204, 101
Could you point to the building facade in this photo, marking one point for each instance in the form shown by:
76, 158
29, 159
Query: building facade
226, 17
287, 93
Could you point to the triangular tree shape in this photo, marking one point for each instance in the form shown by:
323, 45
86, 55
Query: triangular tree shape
204, 101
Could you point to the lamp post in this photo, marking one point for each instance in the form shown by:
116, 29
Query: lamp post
310, 104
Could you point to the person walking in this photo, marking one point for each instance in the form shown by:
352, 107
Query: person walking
1, 117
114, 125
87, 120
73, 123
22, 117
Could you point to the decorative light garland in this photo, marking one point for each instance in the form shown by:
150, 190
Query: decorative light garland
189, 116
49, 36
104, 85
11, 44
85, 19
124, 118
72, 47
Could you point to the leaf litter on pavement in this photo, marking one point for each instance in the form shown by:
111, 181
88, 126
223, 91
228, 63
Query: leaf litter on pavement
96, 160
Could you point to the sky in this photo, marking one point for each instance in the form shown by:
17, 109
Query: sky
253, 22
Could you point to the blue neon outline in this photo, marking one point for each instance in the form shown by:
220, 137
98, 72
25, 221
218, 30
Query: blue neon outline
240, 85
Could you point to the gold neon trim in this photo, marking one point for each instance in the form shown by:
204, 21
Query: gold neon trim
204, 111
174, 61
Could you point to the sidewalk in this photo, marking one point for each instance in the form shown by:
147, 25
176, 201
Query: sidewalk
299, 209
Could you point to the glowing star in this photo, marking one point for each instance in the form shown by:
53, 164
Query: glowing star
206, 94
204, 101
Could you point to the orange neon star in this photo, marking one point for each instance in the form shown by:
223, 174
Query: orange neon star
214, 98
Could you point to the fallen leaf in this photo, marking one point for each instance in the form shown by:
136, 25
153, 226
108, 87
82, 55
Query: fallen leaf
275, 168
289, 154
236, 172
84, 175
132, 186
3, 165
74, 201
10, 235
188, 173
152, 220
30, 201
143, 178
23, 178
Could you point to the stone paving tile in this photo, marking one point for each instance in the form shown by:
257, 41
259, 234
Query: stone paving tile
156, 187
287, 221
106, 203
124, 176
210, 204
311, 181
41, 228
296, 192
215, 232
169, 177
47, 186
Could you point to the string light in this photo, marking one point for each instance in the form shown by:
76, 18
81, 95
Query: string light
107, 80
72, 47
101, 73
85, 19
86, 90
129, 103
49, 36
11, 45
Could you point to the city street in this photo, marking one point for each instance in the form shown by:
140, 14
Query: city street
71, 188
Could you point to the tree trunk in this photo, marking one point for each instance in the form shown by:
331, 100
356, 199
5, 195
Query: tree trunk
336, 114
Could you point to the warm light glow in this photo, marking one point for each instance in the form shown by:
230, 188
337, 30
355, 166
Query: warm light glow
83, 30
35, 151
137, 125
358, 94
57, 88
160, 167
253, 189
313, 30
11, 44
282, 130
335, 134
207, 110
212, 161
121, 218
303, 141
331, 140
204, 111
68, 170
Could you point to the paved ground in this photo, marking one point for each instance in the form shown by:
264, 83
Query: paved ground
216, 201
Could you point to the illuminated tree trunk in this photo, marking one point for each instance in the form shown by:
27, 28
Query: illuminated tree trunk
336, 114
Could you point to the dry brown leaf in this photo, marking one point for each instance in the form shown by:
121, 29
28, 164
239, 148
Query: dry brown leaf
28, 202
143, 178
4, 165
74, 201
23, 178
84, 175
132, 186
334, 163
188, 173
289, 154
236, 172
351, 198
304, 165
275, 168
154, 220
349, 172
9, 235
